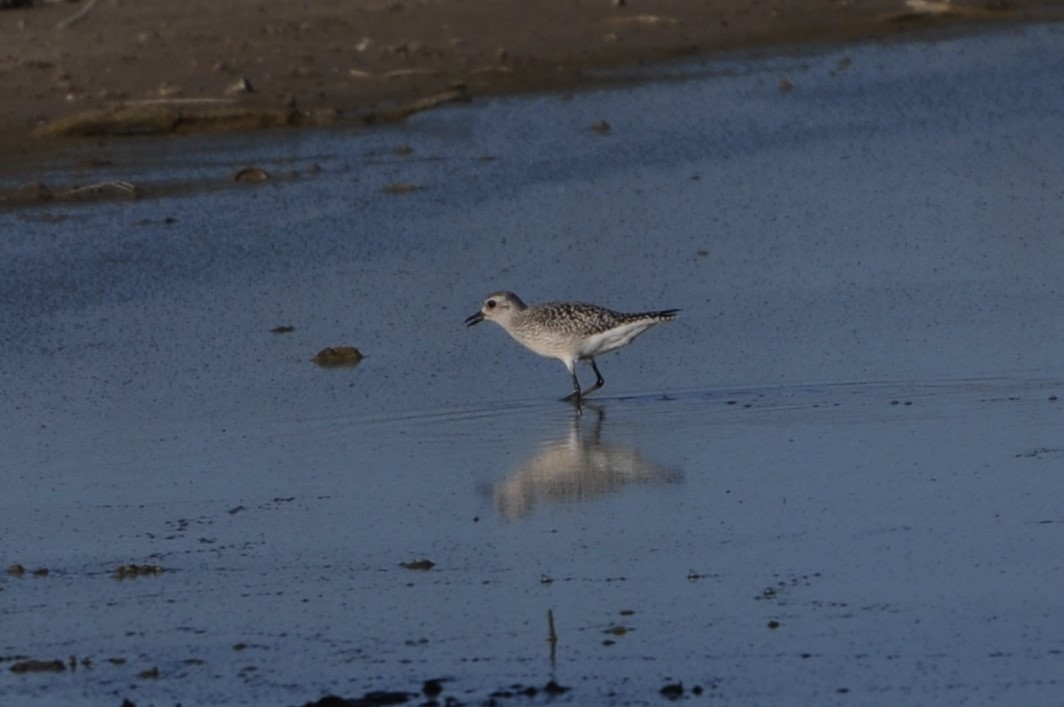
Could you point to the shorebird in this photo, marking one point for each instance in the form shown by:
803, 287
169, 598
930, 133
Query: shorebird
567, 331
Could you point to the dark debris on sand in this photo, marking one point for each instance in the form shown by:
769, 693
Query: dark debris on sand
432, 689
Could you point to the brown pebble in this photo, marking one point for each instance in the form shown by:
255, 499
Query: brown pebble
338, 356
38, 666
131, 571
242, 85
251, 175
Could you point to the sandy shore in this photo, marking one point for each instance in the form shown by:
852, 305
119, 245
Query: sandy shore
66, 66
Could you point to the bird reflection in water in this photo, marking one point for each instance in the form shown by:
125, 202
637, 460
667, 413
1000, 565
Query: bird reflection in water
577, 467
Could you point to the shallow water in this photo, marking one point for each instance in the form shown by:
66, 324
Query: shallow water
837, 476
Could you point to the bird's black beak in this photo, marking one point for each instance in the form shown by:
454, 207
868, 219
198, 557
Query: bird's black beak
475, 319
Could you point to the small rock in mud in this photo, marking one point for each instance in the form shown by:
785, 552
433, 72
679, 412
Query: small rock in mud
432, 689
251, 175
131, 571
672, 691
16, 570
38, 666
552, 688
370, 699
285, 329
338, 357
242, 85
422, 565
602, 127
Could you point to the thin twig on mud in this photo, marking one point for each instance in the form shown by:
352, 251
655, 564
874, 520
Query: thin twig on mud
74, 19
117, 184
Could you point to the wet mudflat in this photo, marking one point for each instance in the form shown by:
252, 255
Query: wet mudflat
836, 477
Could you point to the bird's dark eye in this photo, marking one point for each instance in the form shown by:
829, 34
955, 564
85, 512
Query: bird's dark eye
491, 304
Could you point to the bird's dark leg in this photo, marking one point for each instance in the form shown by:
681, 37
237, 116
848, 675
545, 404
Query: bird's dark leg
576, 395
599, 380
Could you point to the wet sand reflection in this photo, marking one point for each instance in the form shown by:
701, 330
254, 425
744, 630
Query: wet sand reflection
577, 467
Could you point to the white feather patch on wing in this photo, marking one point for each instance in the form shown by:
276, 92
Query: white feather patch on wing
613, 338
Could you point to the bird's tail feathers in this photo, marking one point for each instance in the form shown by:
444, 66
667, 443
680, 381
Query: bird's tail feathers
665, 315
